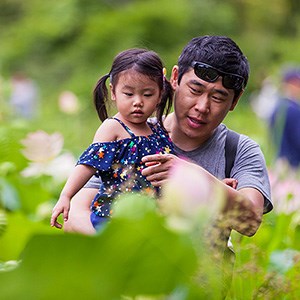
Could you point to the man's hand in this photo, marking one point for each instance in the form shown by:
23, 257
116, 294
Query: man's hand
158, 167
231, 182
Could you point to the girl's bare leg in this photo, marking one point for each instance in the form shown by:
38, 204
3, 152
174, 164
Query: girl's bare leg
79, 214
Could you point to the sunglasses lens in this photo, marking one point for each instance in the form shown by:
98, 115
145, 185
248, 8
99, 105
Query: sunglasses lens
206, 73
232, 82
210, 74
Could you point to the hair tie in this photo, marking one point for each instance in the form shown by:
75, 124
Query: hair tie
164, 73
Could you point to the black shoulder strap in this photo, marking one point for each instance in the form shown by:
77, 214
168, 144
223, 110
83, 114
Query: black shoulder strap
231, 143
124, 126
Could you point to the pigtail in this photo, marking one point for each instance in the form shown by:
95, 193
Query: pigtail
165, 105
101, 97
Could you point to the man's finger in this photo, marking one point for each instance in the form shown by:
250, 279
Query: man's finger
151, 163
154, 158
157, 177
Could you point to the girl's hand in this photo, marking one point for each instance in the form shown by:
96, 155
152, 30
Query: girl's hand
157, 167
62, 207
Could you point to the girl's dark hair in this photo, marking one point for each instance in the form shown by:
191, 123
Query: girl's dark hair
220, 52
143, 61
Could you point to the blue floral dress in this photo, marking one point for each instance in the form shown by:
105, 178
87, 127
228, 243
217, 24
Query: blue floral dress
119, 164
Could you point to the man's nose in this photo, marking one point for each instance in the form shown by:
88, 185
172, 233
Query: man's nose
203, 104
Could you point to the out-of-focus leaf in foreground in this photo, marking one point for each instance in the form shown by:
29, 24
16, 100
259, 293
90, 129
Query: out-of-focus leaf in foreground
134, 254
3, 223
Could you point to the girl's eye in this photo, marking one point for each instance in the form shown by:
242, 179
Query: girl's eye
147, 95
128, 94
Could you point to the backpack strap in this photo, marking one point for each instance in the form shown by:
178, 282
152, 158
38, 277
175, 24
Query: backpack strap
232, 139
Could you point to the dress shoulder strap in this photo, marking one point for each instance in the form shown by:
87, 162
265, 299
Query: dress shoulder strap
124, 126
152, 126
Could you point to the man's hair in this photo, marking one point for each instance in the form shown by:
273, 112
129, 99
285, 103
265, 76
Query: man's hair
220, 52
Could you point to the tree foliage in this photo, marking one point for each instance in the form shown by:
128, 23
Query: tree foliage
69, 43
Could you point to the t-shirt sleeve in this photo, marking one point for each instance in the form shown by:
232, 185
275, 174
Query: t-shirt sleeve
250, 170
94, 183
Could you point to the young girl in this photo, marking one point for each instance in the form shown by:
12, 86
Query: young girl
138, 88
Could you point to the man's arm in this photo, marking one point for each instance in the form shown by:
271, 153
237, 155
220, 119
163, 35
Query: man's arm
244, 208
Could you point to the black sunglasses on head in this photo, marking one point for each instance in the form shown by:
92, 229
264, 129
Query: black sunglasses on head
211, 74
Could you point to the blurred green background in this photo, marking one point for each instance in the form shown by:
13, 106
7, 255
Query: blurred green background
67, 45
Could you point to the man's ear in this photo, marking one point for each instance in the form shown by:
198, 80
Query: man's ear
174, 77
113, 96
236, 100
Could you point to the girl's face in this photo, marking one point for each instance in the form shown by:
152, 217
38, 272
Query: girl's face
136, 96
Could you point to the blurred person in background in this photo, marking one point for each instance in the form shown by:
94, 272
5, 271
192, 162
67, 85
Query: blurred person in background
265, 100
24, 96
285, 120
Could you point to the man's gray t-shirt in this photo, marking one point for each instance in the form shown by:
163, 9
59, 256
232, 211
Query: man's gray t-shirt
249, 167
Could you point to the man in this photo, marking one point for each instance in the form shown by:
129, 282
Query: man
211, 76
285, 120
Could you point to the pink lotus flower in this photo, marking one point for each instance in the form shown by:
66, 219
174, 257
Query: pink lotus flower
41, 146
189, 198
43, 150
285, 188
68, 102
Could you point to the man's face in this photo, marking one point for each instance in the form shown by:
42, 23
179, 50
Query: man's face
200, 106
292, 88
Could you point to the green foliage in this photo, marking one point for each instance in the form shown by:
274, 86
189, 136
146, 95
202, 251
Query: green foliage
19, 228
134, 254
17, 192
2, 222
10, 136
68, 45
267, 264
9, 196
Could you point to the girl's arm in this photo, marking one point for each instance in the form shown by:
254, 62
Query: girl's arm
75, 182
108, 131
